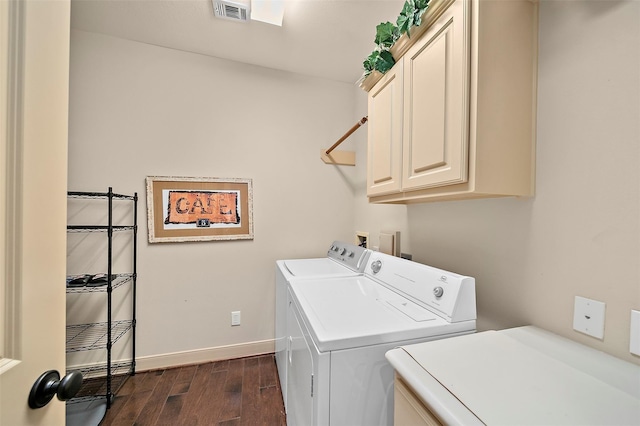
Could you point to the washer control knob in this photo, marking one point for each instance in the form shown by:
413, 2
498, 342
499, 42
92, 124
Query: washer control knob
350, 254
438, 291
376, 266
343, 251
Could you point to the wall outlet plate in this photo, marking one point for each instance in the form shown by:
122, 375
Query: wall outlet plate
235, 318
634, 338
588, 317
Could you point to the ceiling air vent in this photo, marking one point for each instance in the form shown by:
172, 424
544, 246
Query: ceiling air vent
232, 10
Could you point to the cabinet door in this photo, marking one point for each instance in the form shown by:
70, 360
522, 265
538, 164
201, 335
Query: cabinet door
409, 410
384, 157
435, 144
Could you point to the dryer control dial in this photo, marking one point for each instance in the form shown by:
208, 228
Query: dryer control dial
343, 251
438, 291
376, 266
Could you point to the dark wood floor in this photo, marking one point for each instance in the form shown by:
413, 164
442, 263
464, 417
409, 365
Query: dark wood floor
242, 391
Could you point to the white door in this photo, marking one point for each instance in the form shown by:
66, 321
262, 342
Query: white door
34, 76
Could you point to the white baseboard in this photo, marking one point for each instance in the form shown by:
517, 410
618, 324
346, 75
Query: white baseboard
198, 356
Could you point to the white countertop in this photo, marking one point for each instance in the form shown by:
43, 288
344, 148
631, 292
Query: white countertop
520, 376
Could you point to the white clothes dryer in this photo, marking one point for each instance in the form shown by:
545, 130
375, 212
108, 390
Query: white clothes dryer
340, 329
519, 376
342, 260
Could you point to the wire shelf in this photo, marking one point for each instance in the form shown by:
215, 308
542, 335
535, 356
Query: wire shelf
99, 228
94, 384
98, 195
87, 337
101, 383
118, 281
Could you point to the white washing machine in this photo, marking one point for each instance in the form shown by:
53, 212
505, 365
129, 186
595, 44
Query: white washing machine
340, 329
342, 260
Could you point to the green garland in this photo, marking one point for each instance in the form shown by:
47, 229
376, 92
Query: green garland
387, 34
411, 15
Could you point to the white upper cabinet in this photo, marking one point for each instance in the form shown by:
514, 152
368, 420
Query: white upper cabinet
468, 106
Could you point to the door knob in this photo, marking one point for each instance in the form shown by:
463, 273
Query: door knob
50, 384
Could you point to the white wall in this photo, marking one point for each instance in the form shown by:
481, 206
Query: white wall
580, 234
374, 218
139, 110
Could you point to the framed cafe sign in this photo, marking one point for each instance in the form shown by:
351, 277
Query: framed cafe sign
183, 209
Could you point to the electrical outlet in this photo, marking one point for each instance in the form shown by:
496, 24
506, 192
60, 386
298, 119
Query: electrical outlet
588, 317
235, 318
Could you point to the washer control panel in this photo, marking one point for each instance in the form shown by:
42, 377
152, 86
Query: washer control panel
447, 294
350, 255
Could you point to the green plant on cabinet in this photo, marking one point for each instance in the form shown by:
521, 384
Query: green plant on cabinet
387, 34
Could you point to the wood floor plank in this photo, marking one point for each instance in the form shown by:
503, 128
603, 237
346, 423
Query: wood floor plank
170, 415
141, 390
234, 392
272, 408
268, 371
179, 388
213, 399
183, 380
231, 408
199, 385
186, 373
151, 412
131, 409
221, 365
150, 382
132, 383
250, 410
116, 406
